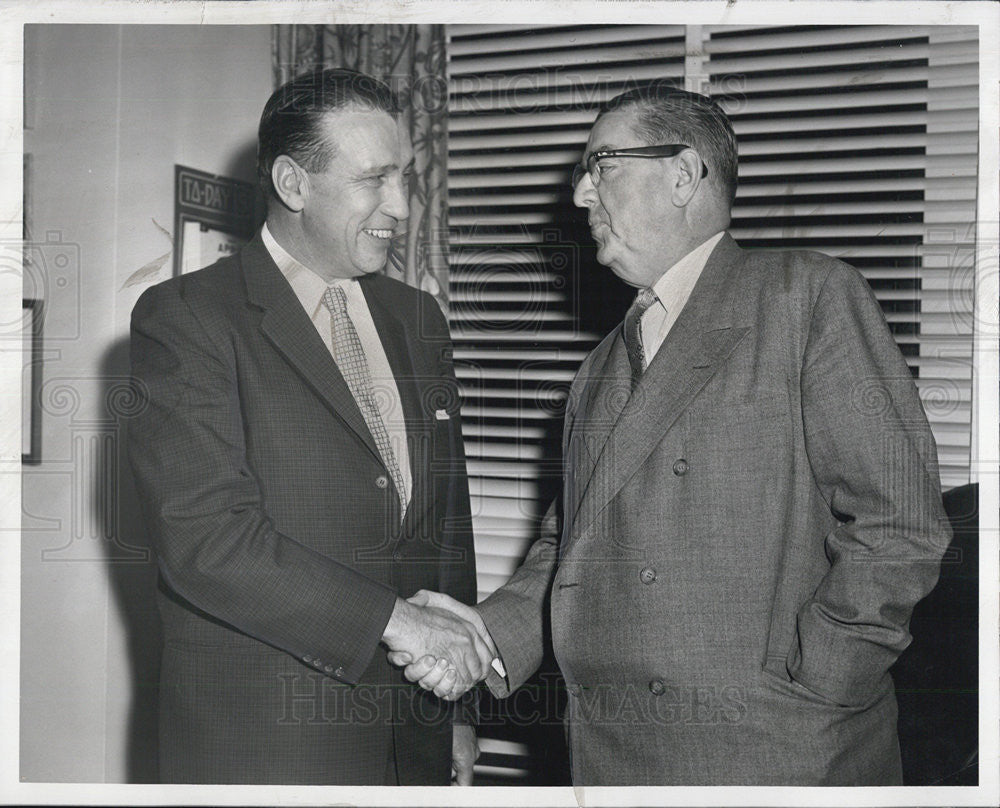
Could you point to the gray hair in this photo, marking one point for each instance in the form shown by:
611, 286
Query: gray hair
666, 114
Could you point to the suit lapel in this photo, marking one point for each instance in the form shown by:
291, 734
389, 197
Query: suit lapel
699, 343
287, 326
604, 391
408, 369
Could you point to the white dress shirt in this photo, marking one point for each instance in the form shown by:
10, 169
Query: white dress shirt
309, 288
672, 291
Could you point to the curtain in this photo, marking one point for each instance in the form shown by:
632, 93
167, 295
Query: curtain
411, 59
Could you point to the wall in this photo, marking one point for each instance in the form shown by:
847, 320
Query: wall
109, 110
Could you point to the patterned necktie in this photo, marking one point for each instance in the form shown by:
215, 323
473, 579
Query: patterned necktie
633, 332
353, 364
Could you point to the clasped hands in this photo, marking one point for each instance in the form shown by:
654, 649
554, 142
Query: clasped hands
443, 644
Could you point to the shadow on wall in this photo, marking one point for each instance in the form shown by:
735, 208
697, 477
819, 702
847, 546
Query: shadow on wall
131, 568
131, 564
243, 164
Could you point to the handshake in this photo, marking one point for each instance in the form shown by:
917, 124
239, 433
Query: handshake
442, 643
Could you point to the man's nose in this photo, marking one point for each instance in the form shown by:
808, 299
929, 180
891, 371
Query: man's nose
584, 195
396, 202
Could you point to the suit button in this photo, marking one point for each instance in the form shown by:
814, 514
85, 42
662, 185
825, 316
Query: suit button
681, 467
656, 687
317, 663
307, 658
647, 575
328, 668
382, 481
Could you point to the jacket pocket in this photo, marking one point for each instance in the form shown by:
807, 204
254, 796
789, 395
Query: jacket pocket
796, 691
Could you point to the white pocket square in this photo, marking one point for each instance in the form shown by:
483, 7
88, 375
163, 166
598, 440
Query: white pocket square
441, 415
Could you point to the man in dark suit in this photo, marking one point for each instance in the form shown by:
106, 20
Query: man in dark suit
300, 463
751, 505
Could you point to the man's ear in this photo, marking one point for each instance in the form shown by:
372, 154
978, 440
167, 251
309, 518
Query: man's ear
687, 177
291, 182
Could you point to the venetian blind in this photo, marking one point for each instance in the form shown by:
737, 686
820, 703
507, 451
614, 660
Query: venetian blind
861, 142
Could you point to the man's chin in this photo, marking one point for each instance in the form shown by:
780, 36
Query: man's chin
605, 256
371, 260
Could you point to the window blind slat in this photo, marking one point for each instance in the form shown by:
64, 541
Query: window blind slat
579, 76
611, 54
544, 120
517, 98
493, 495
863, 57
561, 40
745, 104
502, 432
762, 38
949, 98
488, 142
562, 157
457, 32
855, 78
872, 119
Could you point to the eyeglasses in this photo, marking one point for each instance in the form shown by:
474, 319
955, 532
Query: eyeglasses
593, 160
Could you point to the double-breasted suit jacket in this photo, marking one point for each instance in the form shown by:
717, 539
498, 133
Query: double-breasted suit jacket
739, 542
277, 529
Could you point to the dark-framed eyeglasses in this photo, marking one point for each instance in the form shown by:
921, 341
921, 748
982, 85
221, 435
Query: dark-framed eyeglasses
592, 164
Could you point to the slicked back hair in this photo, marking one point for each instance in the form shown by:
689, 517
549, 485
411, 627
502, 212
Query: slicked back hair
291, 122
666, 114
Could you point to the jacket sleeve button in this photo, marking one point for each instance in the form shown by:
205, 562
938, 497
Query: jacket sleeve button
328, 668
647, 575
307, 658
382, 482
681, 467
657, 688
339, 673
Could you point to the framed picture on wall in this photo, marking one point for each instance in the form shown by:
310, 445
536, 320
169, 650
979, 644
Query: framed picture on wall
31, 382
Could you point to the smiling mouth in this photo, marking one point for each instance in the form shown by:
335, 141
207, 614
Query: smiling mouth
385, 235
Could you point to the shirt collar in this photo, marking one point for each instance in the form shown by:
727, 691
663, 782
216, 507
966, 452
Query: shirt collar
308, 286
678, 281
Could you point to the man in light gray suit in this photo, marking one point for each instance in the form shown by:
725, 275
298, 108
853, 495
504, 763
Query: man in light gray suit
751, 505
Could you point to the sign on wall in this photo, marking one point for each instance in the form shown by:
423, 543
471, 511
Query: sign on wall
213, 217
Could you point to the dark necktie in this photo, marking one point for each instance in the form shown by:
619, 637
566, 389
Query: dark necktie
349, 354
633, 332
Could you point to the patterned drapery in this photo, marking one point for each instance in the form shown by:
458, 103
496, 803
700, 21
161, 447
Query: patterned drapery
411, 59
